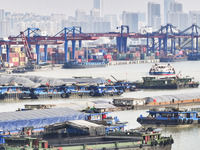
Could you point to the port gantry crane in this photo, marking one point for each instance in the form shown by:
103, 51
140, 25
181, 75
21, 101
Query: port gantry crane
67, 34
75, 34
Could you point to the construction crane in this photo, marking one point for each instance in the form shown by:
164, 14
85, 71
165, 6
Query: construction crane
26, 46
29, 55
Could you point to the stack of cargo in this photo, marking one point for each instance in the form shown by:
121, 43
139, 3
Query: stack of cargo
58, 58
17, 57
108, 57
143, 56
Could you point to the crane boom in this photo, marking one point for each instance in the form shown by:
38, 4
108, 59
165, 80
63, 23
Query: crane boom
26, 46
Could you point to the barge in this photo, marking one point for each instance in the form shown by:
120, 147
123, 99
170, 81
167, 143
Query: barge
167, 83
170, 116
74, 64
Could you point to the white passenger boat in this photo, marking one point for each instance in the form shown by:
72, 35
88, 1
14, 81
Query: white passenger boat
162, 69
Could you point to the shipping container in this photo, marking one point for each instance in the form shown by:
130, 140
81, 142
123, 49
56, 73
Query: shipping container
14, 59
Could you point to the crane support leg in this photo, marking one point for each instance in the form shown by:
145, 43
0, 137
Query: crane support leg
172, 45
45, 52
192, 45
119, 43
7, 52
0, 50
153, 45
125, 44
147, 44
80, 44
38, 54
197, 44
73, 49
66, 50
160, 40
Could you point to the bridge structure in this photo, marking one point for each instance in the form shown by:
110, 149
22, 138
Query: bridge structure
157, 40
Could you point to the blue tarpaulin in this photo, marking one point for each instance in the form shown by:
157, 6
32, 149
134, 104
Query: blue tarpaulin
37, 118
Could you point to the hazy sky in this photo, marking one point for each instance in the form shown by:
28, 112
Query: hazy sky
46, 7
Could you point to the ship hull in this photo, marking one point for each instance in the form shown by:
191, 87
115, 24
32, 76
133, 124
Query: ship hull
77, 66
172, 60
161, 73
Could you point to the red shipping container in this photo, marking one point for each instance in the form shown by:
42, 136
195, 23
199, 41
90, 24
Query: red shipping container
79, 60
80, 53
89, 60
22, 59
13, 55
16, 64
107, 56
50, 49
41, 49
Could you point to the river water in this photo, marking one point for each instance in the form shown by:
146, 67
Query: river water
187, 138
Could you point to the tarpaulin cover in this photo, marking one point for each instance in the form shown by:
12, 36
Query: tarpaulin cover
176, 97
37, 118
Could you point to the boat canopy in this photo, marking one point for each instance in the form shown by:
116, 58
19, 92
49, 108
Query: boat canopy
175, 97
37, 118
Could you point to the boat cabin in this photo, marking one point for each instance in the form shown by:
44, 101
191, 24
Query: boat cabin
173, 113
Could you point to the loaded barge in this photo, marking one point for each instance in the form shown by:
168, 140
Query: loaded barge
86, 135
174, 82
170, 116
16, 92
81, 65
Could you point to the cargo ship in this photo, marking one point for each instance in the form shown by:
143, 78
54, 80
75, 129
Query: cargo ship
172, 58
170, 116
167, 83
194, 56
160, 69
74, 64
86, 135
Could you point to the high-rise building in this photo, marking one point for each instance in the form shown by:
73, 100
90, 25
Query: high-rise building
167, 9
176, 7
130, 19
113, 19
184, 19
141, 17
80, 15
98, 4
153, 11
2, 14
194, 17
